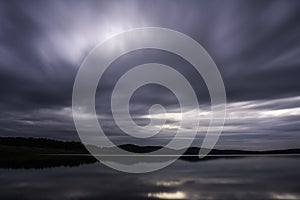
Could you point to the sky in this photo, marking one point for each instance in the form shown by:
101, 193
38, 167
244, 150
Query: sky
255, 44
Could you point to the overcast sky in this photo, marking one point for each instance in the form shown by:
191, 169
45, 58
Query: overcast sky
255, 44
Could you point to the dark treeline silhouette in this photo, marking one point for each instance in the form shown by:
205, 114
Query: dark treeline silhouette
195, 150
18, 152
43, 143
79, 148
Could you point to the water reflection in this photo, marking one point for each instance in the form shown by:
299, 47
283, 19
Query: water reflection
168, 195
243, 178
168, 183
285, 196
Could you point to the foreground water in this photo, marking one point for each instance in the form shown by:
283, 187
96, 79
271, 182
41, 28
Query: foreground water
232, 178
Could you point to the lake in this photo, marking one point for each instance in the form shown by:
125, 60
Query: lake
223, 178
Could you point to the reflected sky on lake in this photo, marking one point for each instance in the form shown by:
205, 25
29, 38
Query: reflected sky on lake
239, 178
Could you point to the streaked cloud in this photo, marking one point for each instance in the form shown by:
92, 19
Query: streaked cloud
255, 45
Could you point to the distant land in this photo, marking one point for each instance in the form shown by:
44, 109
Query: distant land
21, 152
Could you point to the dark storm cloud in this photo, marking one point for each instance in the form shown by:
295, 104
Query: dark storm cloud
27, 80
255, 45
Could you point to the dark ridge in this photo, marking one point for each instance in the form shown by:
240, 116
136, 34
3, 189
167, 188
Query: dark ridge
138, 149
195, 150
43, 143
17, 152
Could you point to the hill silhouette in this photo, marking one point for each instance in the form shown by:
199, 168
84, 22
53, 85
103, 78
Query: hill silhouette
19, 152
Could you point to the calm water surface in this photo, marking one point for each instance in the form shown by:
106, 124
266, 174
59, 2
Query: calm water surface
235, 178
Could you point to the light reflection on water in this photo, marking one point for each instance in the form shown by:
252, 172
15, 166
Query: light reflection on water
168, 195
240, 178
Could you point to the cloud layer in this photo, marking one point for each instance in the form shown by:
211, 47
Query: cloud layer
255, 45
